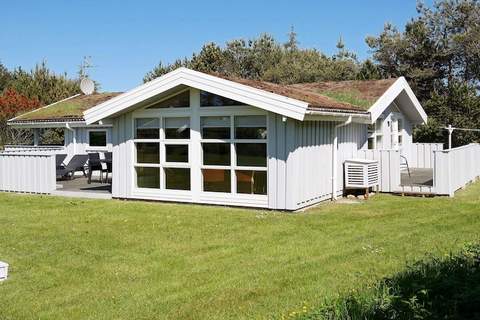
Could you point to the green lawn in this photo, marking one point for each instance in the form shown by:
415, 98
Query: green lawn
92, 259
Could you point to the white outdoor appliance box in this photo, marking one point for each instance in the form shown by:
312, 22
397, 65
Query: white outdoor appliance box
361, 173
3, 270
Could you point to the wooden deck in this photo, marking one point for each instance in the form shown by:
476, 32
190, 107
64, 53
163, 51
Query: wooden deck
417, 177
79, 188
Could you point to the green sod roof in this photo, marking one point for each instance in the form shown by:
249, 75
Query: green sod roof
70, 109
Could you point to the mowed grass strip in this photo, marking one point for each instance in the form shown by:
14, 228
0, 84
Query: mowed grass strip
112, 259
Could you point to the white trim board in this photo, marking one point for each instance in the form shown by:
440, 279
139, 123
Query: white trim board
417, 114
288, 107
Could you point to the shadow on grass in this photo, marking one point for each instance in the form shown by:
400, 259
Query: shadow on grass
446, 288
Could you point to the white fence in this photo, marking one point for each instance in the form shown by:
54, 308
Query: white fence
27, 172
455, 168
34, 149
421, 155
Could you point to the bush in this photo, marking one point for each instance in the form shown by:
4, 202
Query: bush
434, 288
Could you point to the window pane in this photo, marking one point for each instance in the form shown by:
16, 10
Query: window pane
371, 143
177, 128
148, 152
251, 127
216, 154
251, 154
148, 177
181, 100
97, 138
251, 182
378, 125
216, 180
379, 142
147, 128
208, 99
215, 127
177, 178
176, 153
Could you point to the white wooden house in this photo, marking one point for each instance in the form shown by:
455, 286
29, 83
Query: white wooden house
194, 137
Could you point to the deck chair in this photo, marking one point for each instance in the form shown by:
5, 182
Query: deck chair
94, 164
77, 163
59, 160
108, 162
404, 164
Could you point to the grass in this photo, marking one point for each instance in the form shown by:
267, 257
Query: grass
70, 108
94, 259
433, 288
351, 96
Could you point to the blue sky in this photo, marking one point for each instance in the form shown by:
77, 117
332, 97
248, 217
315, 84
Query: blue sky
128, 38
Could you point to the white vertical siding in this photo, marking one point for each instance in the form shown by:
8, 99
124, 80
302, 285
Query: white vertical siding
300, 160
81, 146
32, 173
122, 157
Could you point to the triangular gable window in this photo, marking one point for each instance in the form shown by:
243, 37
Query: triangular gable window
208, 99
181, 100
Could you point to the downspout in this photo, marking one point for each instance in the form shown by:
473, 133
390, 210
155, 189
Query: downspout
74, 134
335, 156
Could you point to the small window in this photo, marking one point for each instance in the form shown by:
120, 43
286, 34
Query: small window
215, 127
181, 100
177, 128
379, 142
216, 180
148, 152
177, 178
97, 138
208, 99
148, 177
251, 127
251, 154
176, 152
216, 154
251, 182
371, 143
371, 128
147, 128
379, 126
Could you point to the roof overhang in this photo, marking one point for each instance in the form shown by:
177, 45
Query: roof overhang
285, 106
400, 92
56, 124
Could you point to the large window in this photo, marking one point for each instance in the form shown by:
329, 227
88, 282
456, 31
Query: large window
181, 100
234, 153
208, 99
201, 149
162, 153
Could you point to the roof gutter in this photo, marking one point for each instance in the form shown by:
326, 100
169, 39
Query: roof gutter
335, 155
327, 112
74, 134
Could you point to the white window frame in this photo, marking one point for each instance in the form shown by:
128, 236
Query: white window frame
377, 132
98, 148
233, 167
195, 161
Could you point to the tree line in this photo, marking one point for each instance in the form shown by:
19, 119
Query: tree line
438, 52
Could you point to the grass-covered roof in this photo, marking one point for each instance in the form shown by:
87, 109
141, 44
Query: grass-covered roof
70, 109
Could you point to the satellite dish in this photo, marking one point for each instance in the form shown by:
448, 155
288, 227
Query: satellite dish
87, 86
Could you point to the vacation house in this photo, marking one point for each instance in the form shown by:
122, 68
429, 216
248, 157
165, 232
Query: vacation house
194, 137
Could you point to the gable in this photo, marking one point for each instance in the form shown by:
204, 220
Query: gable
182, 77
405, 100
